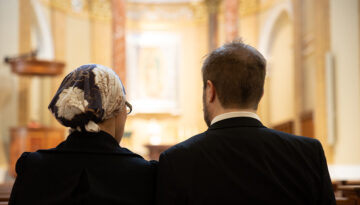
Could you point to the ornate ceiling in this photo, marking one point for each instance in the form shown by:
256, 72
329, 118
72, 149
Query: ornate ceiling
153, 9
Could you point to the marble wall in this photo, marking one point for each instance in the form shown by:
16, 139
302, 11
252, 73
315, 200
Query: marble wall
9, 31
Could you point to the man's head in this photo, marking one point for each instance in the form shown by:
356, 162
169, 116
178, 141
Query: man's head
233, 77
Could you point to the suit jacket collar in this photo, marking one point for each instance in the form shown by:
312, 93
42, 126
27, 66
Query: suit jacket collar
236, 122
90, 142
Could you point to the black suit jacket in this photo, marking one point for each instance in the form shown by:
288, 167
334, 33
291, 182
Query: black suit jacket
87, 168
239, 161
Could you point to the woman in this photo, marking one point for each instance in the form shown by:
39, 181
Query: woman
89, 167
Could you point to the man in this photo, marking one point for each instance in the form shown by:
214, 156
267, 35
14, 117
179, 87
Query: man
238, 160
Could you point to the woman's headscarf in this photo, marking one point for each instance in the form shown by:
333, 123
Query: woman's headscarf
87, 96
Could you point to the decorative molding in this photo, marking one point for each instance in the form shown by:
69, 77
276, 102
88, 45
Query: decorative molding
136, 12
135, 9
253, 7
94, 9
156, 9
163, 1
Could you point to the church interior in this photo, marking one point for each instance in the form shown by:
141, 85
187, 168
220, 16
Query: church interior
157, 47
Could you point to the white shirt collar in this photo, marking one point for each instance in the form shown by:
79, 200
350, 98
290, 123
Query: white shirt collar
234, 114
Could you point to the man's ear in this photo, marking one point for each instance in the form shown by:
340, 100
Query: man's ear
210, 91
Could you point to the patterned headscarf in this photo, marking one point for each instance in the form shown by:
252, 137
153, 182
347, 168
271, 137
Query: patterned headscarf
87, 96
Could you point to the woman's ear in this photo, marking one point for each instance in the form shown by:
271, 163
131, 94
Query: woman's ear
120, 120
117, 126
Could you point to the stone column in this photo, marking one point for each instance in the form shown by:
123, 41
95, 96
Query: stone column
58, 27
298, 64
118, 35
213, 7
231, 19
25, 20
322, 43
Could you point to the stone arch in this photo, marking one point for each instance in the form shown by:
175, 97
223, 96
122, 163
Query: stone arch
276, 18
272, 18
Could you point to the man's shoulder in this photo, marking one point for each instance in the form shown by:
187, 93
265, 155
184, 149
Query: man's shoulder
291, 137
303, 142
186, 145
265, 133
275, 137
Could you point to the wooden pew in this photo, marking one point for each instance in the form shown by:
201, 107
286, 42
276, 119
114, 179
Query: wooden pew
351, 192
4, 197
351, 182
345, 201
5, 190
335, 185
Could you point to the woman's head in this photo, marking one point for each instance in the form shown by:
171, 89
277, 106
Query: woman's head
88, 96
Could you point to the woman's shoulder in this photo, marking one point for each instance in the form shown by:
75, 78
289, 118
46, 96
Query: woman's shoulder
139, 160
24, 161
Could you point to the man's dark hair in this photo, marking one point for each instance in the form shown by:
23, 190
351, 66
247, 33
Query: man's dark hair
237, 71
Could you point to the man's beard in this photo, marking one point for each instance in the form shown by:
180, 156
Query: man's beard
206, 111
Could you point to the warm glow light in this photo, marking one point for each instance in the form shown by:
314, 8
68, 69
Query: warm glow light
154, 131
